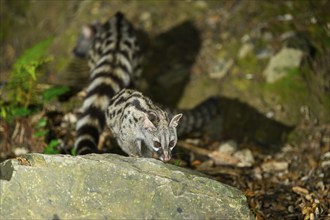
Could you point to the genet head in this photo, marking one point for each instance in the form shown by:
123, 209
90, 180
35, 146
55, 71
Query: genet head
161, 137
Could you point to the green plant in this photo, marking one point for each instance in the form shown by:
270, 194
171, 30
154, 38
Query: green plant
21, 88
54, 92
23, 78
177, 162
40, 128
52, 147
8, 112
20, 96
73, 152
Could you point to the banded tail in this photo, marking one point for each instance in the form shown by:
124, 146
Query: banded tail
114, 60
197, 117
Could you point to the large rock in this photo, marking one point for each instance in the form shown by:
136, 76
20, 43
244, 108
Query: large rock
109, 186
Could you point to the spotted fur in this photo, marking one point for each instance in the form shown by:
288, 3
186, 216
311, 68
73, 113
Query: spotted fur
141, 127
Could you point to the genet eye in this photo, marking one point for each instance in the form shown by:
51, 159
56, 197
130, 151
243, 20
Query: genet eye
171, 144
157, 144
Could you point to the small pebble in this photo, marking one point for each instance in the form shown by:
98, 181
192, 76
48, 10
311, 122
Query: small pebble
270, 114
206, 164
246, 158
228, 147
71, 118
245, 50
326, 155
325, 164
257, 173
274, 166
20, 151
309, 197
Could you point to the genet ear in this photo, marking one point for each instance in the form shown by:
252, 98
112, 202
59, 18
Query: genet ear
87, 32
147, 124
175, 120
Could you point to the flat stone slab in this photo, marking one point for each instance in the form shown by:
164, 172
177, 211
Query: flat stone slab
279, 65
106, 186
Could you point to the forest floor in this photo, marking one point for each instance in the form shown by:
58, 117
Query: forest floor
272, 141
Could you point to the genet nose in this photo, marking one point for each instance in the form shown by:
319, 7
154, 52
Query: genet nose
166, 157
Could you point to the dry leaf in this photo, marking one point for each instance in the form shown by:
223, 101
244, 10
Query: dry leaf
221, 158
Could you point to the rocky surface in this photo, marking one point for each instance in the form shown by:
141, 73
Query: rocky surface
284, 61
37, 186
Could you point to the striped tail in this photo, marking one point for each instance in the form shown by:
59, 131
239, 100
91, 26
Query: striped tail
113, 60
197, 117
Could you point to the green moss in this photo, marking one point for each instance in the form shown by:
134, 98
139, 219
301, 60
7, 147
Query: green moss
242, 85
230, 49
293, 92
248, 64
290, 88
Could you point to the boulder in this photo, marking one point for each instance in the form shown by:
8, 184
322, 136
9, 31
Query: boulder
106, 186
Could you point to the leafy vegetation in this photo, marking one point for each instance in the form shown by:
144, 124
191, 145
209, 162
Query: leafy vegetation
40, 128
23, 79
21, 88
52, 147
54, 92
20, 96
73, 152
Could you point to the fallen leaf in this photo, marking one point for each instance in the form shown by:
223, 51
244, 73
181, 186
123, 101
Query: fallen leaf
300, 190
221, 158
196, 163
274, 166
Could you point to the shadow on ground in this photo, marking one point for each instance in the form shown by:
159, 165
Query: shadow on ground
245, 124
